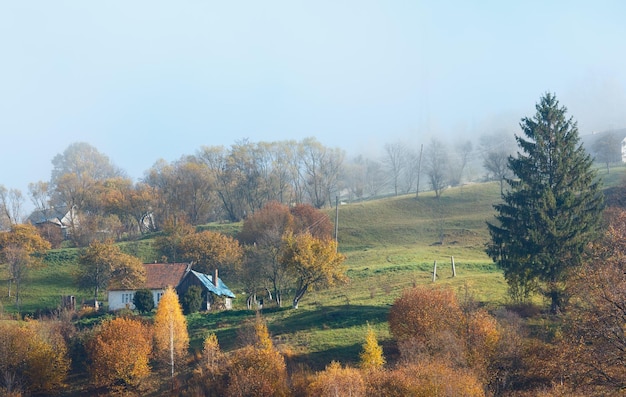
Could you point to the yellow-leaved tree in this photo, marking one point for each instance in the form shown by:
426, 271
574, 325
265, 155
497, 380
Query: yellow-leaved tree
33, 357
259, 369
372, 354
119, 352
210, 250
314, 262
103, 265
170, 329
20, 250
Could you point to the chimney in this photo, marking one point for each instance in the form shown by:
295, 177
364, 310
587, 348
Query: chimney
215, 282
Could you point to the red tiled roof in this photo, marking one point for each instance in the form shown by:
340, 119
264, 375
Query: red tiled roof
161, 275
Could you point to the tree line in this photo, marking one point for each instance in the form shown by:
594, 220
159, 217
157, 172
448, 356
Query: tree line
227, 184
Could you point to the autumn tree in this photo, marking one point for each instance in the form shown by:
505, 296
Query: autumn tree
130, 203
263, 232
74, 176
32, 358
313, 262
427, 322
119, 352
103, 264
595, 323
371, 356
170, 330
168, 243
553, 207
257, 369
183, 188
308, 219
211, 250
20, 252
430, 325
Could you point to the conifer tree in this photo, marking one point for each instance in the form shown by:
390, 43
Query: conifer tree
552, 208
170, 329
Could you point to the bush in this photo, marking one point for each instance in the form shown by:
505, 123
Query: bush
337, 381
33, 357
192, 301
143, 301
119, 353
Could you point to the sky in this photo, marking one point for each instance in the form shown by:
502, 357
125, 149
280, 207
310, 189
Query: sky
148, 80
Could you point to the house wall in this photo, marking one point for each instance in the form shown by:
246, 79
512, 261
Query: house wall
121, 299
124, 299
189, 281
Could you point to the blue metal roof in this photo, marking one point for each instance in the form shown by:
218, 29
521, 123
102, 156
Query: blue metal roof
207, 281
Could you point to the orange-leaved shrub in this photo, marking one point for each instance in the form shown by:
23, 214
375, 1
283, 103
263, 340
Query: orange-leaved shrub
336, 380
430, 324
256, 370
119, 352
427, 379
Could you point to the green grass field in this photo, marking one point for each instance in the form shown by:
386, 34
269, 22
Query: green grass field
390, 244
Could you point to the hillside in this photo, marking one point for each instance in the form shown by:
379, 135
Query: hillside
390, 244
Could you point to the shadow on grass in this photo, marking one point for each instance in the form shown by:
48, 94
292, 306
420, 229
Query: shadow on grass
226, 324
346, 355
323, 317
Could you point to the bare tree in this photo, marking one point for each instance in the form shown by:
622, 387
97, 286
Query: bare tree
463, 152
320, 170
394, 161
11, 203
496, 150
39, 194
436, 166
607, 150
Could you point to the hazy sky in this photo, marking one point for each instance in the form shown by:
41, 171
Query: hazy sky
143, 80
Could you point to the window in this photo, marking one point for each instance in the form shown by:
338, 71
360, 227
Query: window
128, 297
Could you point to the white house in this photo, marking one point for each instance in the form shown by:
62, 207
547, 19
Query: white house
159, 276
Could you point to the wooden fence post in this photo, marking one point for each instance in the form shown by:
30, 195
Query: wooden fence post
435, 271
453, 267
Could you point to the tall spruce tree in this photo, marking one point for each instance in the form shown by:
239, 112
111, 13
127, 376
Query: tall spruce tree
552, 208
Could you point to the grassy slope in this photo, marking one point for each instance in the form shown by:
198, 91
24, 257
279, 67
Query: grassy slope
390, 245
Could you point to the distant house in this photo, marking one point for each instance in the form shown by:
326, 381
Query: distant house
60, 217
159, 276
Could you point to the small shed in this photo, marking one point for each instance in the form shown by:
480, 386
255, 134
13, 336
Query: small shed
215, 293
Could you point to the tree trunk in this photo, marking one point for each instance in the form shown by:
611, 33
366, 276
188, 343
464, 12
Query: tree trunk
299, 294
172, 346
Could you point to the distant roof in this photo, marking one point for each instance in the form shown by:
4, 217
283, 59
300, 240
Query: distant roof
207, 281
162, 275
54, 215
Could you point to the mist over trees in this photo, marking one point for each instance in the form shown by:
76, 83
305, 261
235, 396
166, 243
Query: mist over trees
219, 183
